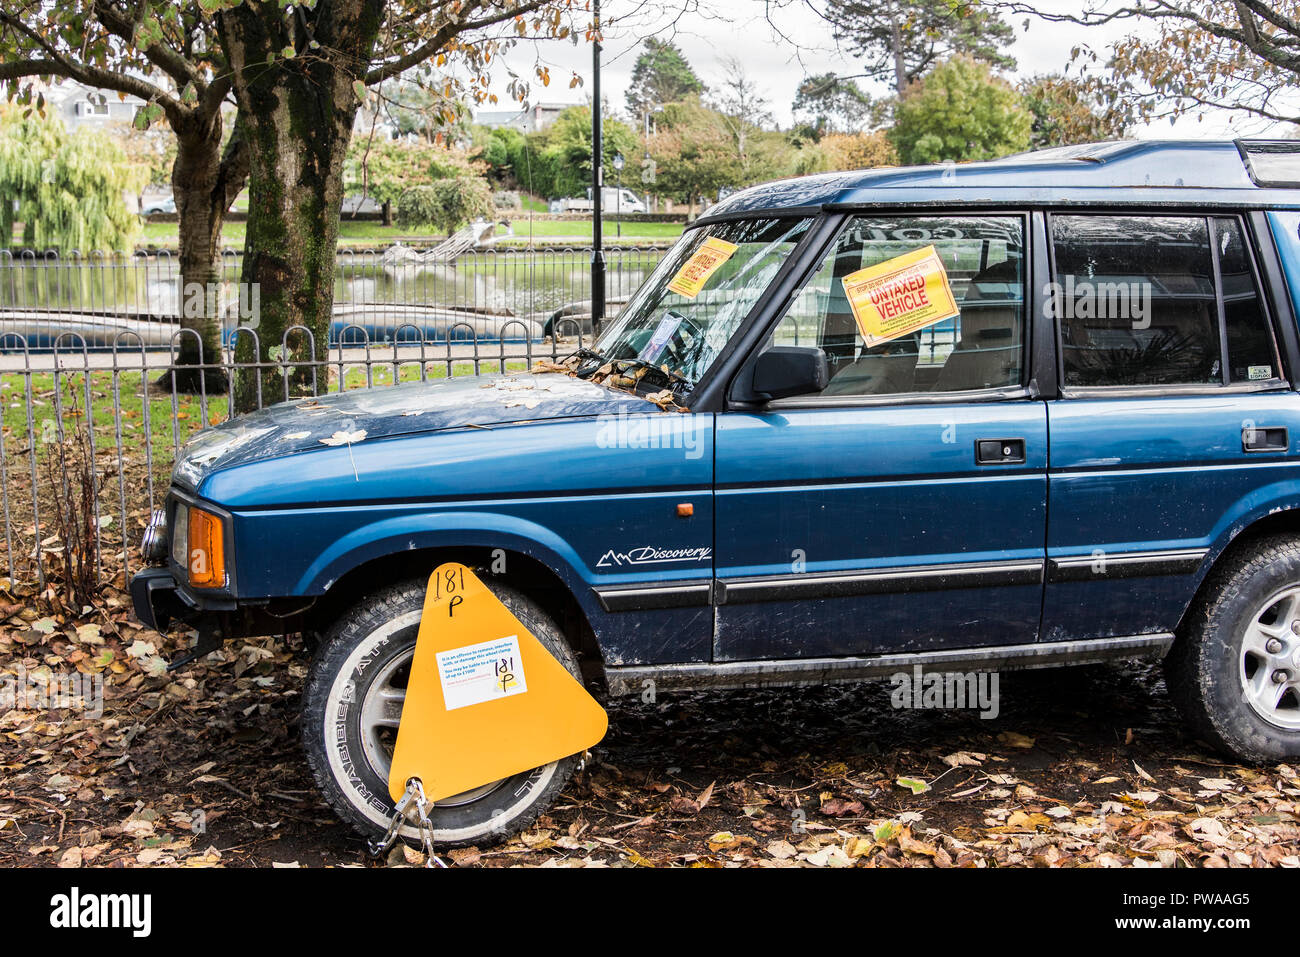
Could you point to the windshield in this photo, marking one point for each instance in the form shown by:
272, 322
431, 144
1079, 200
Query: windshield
678, 322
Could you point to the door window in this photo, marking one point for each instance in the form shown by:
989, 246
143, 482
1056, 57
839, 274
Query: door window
978, 345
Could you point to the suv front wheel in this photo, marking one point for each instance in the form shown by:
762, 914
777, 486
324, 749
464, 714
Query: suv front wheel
1235, 668
352, 705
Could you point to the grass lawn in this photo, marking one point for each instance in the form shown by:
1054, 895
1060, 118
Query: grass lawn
187, 412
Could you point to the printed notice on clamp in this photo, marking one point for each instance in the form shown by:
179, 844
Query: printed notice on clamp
483, 672
659, 339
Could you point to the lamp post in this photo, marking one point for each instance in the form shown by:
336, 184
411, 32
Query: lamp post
597, 181
618, 195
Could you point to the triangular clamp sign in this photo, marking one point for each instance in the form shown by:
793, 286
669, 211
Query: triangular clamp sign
485, 699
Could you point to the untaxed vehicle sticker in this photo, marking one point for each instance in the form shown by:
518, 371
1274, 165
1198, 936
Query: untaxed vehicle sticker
899, 296
704, 262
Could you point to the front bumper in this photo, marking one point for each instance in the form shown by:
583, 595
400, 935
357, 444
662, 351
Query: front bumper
156, 599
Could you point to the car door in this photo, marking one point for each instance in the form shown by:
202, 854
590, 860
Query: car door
1174, 415
903, 508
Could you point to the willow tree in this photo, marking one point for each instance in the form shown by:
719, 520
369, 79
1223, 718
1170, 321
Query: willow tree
166, 54
300, 72
66, 189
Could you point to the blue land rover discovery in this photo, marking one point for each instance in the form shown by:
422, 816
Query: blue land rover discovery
1002, 415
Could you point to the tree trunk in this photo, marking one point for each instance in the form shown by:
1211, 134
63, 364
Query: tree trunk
388, 212
900, 66
298, 113
204, 184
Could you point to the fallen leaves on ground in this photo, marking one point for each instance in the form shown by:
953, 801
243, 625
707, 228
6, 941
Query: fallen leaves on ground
202, 768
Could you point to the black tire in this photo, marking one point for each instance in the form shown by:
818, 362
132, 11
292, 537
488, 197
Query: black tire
1208, 669
370, 641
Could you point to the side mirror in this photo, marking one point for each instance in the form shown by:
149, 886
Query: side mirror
784, 371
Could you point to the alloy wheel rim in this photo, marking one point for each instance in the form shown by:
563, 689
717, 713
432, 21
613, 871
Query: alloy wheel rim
1268, 663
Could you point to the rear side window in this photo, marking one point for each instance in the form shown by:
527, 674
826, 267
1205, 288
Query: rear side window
1251, 355
1158, 300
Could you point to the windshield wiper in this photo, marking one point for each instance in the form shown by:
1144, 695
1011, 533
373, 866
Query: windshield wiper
596, 361
588, 355
675, 379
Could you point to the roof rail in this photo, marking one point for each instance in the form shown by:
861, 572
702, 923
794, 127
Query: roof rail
1271, 162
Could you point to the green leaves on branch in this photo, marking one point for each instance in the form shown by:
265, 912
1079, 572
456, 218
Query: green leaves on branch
384, 169
148, 32
557, 161
145, 116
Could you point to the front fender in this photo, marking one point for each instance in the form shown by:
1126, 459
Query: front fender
468, 529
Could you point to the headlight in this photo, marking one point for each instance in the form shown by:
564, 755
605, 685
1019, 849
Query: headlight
153, 546
181, 536
199, 546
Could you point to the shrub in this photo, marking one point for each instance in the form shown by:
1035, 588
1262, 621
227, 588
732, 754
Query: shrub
445, 204
506, 199
959, 111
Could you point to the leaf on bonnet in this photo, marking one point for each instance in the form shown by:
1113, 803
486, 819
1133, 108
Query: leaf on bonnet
344, 438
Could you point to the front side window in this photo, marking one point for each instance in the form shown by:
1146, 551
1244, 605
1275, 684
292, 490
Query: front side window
903, 305
680, 319
1157, 300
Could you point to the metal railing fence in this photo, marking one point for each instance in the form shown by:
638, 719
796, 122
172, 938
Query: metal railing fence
97, 296
122, 405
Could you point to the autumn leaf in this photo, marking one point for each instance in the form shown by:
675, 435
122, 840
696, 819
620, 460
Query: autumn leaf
345, 438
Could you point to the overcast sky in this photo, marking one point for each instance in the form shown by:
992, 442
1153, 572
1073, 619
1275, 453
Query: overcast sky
717, 28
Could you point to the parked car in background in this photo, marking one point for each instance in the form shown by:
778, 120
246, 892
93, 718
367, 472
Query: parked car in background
360, 204
1018, 414
154, 207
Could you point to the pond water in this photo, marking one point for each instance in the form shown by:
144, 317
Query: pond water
522, 283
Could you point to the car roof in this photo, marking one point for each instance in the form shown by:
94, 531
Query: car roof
1218, 172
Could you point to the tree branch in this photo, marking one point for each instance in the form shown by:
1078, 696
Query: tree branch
58, 65
445, 33
234, 164
169, 61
